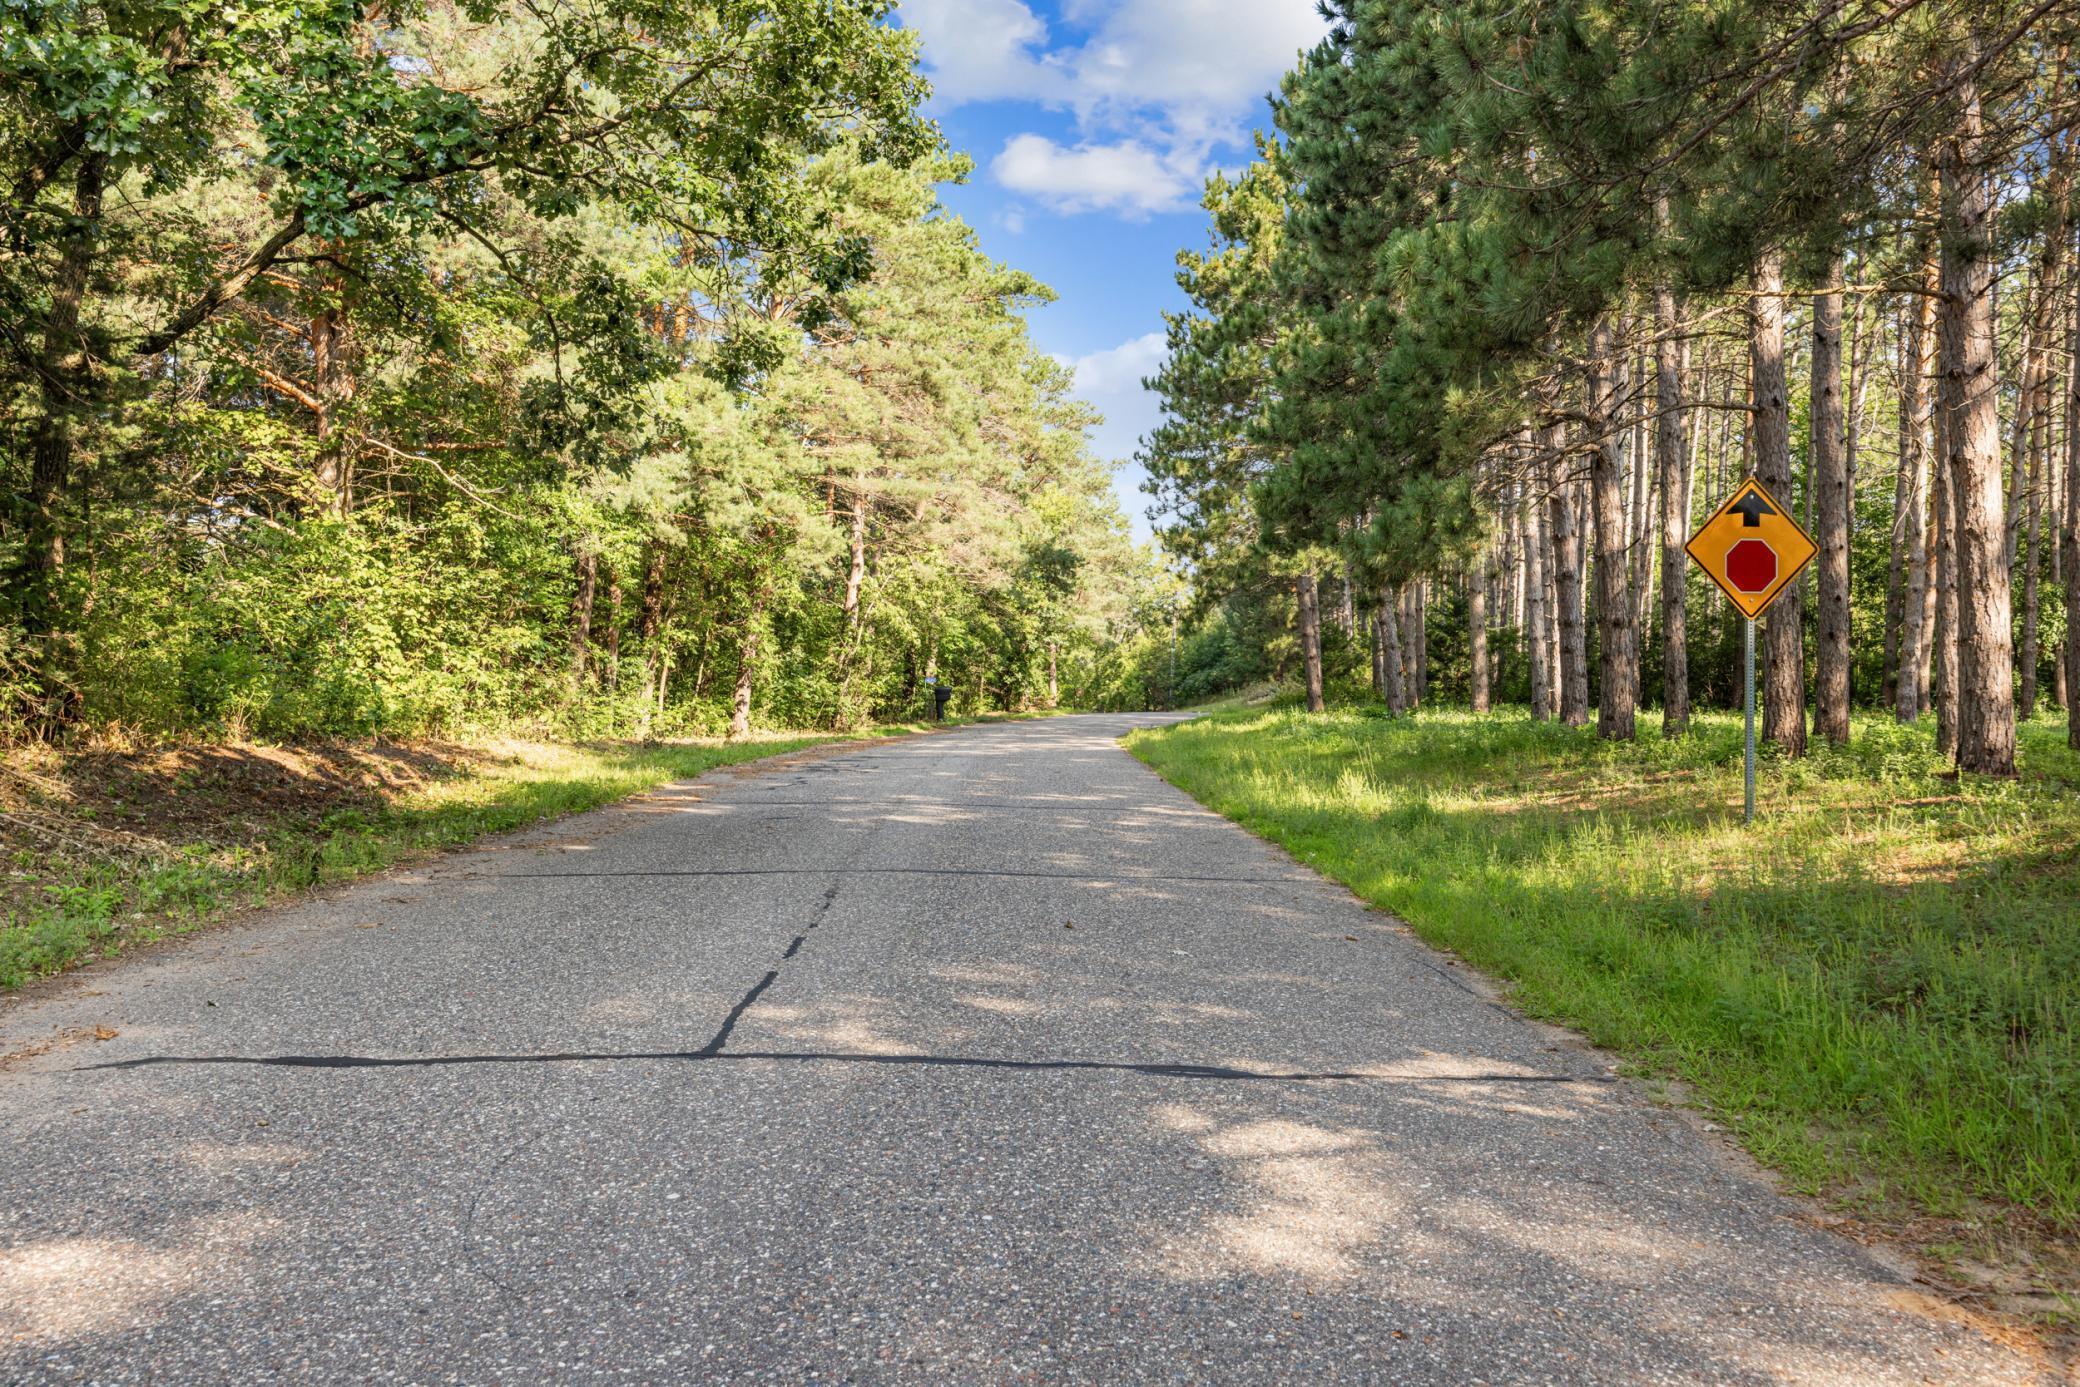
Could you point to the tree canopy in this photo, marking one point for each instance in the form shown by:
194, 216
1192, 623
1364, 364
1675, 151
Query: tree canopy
448, 366
1532, 260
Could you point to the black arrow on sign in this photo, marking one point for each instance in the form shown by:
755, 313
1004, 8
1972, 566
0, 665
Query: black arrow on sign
1751, 508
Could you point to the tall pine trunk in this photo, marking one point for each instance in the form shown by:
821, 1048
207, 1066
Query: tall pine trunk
1986, 656
1911, 537
1308, 598
1943, 676
1829, 445
2050, 260
1537, 545
1672, 462
1783, 681
2069, 524
1379, 656
1393, 680
2029, 374
1896, 559
1618, 648
1567, 592
856, 573
1415, 636
1477, 631
1639, 518
2032, 551
332, 379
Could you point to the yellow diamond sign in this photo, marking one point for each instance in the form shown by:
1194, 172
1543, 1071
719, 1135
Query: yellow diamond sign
1752, 548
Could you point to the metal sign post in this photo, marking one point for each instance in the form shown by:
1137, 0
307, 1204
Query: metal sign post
1749, 778
1753, 549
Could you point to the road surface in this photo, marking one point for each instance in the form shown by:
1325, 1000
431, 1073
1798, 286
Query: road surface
982, 1057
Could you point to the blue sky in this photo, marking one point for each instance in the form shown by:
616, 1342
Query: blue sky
1093, 124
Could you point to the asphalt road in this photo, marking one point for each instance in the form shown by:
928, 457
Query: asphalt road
983, 1057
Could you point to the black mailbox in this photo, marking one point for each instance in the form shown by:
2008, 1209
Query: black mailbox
940, 695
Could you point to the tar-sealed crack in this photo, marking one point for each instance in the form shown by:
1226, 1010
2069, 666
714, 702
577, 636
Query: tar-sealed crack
736, 1013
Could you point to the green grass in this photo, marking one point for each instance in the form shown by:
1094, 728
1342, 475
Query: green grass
1877, 987
99, 908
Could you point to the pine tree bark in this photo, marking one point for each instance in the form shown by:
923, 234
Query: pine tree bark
1857, 390
1414, 643
1938, 530
1307, 595
1567, 591
1405, 633
1911, 530
1379, 656
1536, 545
2031, 357
1393, 677
1477, 633
1672, 463
332, 379
2070, 526
1639, 521
1896, 560
1783, 681
1986, 656
1618, 646
2032, 552
856, 574
1943, 674
1829, 452
2042, 328
2050, 262
1510, 589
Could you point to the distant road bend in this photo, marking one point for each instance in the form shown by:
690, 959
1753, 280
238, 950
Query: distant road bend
982, 1057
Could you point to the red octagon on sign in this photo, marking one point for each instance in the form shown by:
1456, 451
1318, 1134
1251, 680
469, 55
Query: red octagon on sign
1751, 566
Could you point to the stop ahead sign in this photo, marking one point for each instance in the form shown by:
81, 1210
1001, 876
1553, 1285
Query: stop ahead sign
1752, 548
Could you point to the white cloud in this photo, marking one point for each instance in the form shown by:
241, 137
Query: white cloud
983, 50
1202, 64
1111, 380
1127, 177
1156, 87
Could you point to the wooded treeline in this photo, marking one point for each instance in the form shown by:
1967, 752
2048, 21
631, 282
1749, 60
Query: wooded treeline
1519, 293
441, 366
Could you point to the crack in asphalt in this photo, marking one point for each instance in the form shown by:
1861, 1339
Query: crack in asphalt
1155, 1068
895, 871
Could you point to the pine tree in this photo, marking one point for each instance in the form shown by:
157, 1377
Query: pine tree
1205, 459
1986, 674
1829, 460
